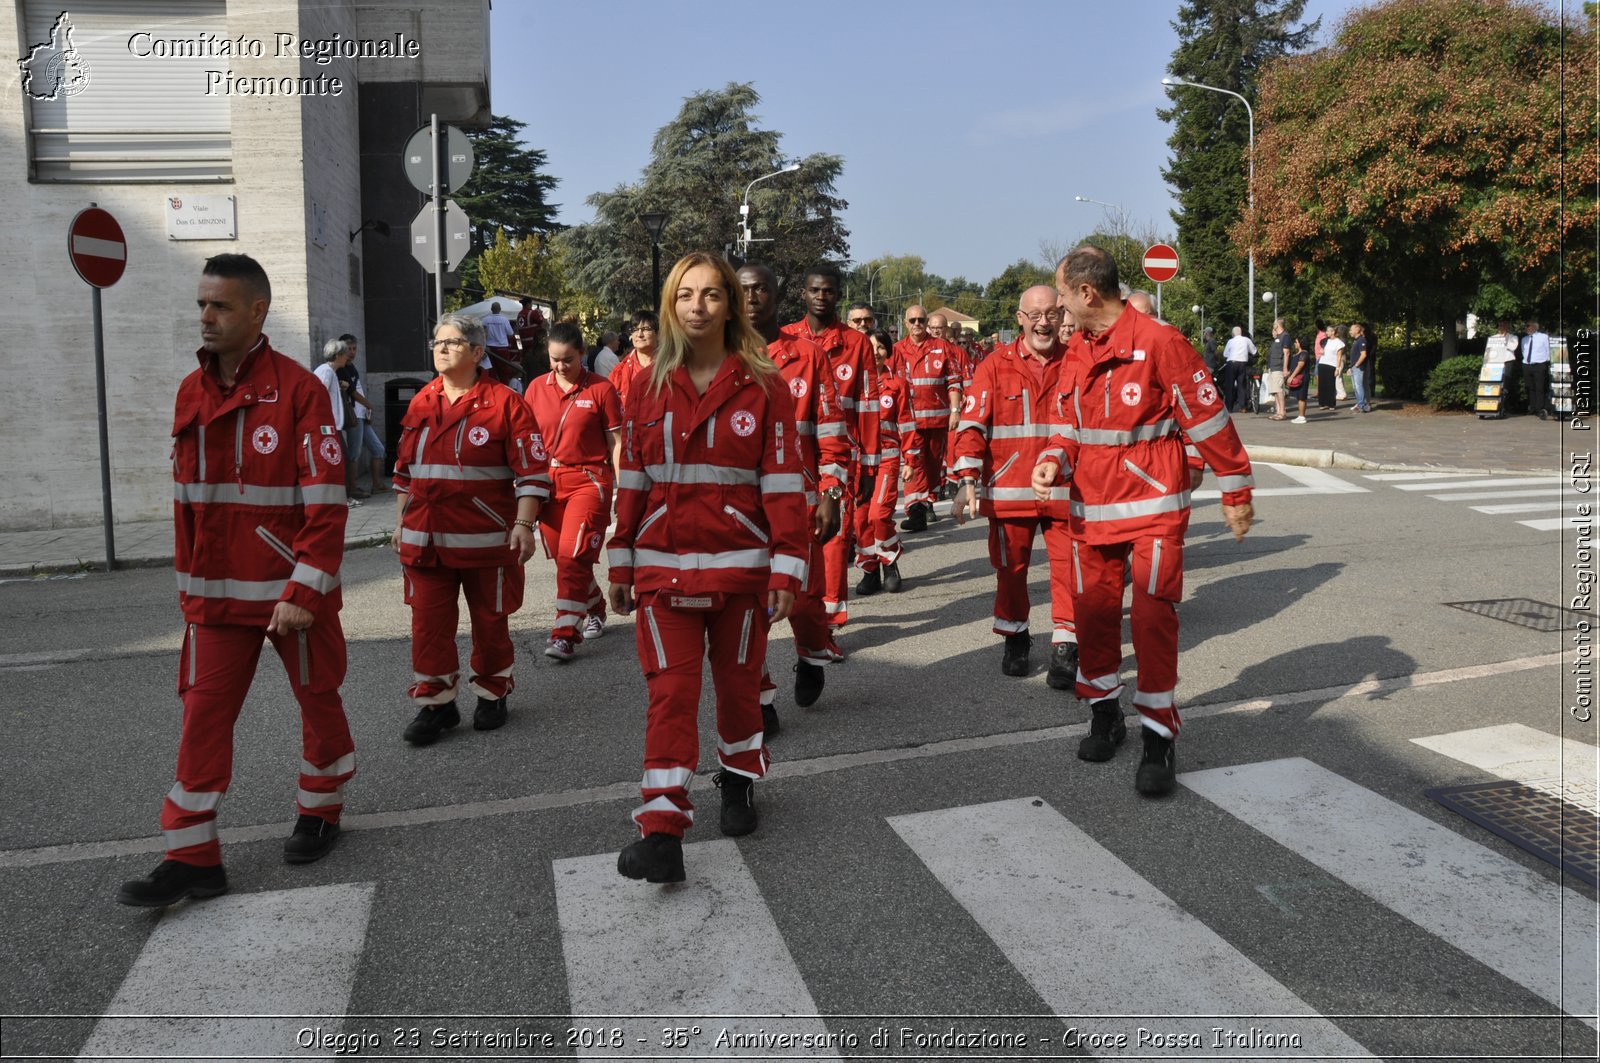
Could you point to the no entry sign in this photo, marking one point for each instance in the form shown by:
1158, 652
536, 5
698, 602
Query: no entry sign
1161, 263
98, 250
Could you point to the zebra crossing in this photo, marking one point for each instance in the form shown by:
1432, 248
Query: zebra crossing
1543, 503
1091, 935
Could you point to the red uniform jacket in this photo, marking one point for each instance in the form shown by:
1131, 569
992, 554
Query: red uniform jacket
1121, 400
462, 466
571, 426
258, 491
933, 371
886, 426
824, 447
1006, 420
626, 374
850, 355
710, 496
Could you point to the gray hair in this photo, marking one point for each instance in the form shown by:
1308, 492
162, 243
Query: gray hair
471, 328
333, 350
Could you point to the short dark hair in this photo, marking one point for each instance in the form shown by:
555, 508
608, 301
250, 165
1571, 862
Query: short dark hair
883, 337
241, 268
349, 338
826, 270
566, 332
760, 267
861, 306
644, 317
1093, 266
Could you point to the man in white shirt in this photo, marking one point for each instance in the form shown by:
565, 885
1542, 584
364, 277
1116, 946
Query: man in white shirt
1236, 357
1536, 370
497, 351
605, 359
336, 354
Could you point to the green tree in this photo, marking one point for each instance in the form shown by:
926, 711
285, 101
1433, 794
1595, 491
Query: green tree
1464, 156
1222, 43
699, 167
507, 191
1004, 292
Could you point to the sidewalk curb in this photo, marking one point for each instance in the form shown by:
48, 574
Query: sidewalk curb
1335, 459
57, 568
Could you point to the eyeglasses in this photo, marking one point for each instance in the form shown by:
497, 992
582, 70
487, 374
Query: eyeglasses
454, 343
1036, 316
643, 328
916, 320
861, 321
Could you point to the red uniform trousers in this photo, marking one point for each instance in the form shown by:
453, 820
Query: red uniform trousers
1157, 588
672, 645
877, 538
493, 594
927, 469
573, 527
835, 562
808, 620
1010, 552
215, 670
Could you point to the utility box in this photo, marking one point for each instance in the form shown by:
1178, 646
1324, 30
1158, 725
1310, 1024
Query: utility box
397, 396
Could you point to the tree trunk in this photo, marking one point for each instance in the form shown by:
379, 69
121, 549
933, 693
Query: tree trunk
1448, 349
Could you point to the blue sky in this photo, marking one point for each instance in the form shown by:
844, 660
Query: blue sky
966, 127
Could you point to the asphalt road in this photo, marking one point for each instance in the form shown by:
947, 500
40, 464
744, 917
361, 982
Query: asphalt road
920, 834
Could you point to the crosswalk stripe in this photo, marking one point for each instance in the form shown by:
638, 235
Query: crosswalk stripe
1520, 507
698, 952
1311, 482
1395, 477
282, 955
1544, 523
1561, 767
1488, 906
1504, 481
1484, 496
1090, 935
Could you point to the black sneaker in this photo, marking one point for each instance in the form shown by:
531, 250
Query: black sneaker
1018, 647
1063, 674
171, 882
916, 518
1107, 731
489, 714
738, 803
654, 858
891, 577
1158, 770
430, 722
312, 839
871, 583
769, 721
808, 680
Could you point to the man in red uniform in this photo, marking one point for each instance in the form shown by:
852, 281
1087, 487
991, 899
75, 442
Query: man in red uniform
825, 454
259, 518
1129, 385
1005, 422
959, 366
925, 363
850, 355
580, 420
530, 328
885, 421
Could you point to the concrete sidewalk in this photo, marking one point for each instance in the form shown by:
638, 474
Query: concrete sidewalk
1394, 436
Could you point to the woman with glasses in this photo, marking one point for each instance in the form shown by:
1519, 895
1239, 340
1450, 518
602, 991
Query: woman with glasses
643, 331
710, 546
469, 477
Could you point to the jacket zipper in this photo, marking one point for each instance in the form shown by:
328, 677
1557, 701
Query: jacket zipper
461, 431
522, 454
777, 430
305, 659
1146, 477
202, 432
311, 458
489, 510
746, 521
276, 543
744, 636
711, 433
1027, 416
238, 451
1177, 394
194, 646
651, 519
1155, 567
1108, 396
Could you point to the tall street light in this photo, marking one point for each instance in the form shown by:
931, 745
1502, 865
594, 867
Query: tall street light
873, 276
1198, 309
744, 207
1251, 188
653, 223
1119, 215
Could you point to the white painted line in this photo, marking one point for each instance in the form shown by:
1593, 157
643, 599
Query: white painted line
1093, 938
98, 248
1485, 496
286, 953
701, 950
1545, 524
1311, 482
629, 789
1504, 481
1395, 477
1561, 767
1521, 507
1503, 915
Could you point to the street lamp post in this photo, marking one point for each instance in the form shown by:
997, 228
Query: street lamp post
1250, 189
654, 222
744, 207
872, 277
1119, 215
1198, 309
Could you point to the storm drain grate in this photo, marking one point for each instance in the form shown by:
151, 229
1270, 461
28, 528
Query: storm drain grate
1532, 820
1527, 613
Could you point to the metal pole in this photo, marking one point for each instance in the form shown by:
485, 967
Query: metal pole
105, 440
439, 170
655, 273
1158, 298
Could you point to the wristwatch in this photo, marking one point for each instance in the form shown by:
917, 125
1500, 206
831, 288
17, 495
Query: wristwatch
835, 492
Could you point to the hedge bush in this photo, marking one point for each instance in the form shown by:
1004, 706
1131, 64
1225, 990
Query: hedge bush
1404, 373
1453, 383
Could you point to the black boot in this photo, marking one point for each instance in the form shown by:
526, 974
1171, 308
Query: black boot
1015, 660
654, 858
891, 577
1063, 674
808, 680
1107, 731
1158, 772
738, 803
769, 722
312, 839
489, 714
871, 583
171, 882
916, 518
430, 722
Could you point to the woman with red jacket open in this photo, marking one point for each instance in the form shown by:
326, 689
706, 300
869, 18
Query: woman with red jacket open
710, 545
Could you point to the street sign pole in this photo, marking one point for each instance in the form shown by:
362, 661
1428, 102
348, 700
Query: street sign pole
98, 250
105, 437
438, 218
1158, 298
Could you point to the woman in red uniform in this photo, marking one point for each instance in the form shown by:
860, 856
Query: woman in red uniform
710, 545
579, 417
469, 476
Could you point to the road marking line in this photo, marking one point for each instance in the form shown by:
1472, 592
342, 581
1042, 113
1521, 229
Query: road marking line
629, 791
1503, 915
1311, 482
1564, 768
1484, 496
1391, 477
704, 949
1522, 507
283, 954
1509, 481
1085, 929
1545, 523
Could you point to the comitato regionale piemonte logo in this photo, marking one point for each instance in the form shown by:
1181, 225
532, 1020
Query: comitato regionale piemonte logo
54, 68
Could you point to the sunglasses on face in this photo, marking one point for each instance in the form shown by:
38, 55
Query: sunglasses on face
916, 320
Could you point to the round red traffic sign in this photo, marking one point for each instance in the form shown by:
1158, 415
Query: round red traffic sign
1161, 263
98, 250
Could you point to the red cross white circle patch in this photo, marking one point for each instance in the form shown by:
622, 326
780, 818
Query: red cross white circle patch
887, 402
971, 403
1130, 394
536, 447
265, 439
478, 435
1207, 394
330, 451
797, 387
743, 423
844, 372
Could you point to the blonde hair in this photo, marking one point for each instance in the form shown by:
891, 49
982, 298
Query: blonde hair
738, 338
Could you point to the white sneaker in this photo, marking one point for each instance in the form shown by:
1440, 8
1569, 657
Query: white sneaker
560, 649
593, 628
1298, 420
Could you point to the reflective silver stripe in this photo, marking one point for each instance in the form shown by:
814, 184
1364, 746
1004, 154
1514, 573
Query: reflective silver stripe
784, 565
323, 495
461, 541
699, 474
838, 472
1141, 474
651, 519
1146, 507
749, 745
1027, 416
461, 472
666, 437
690, 562
267, 590
1010, 627
309, 799
347, 763
655, 636
778, 482
1111, 437
499, 589
533, 487
1077, 568
1177, 395
1020, 431
1235, 483
1209, 427
666, 778
619, 557
835, 428
570, 606
194, 645
806, 428
412, 537
1153, 699
194, 801
305, 658
972, 426
238, 440
310, 576
488, 510
1012, 460
1055, 454
196, 494
198, 834
777, 438
280, 547
663, 804
747, 522
1106, 683
633, 480
311, 457
933, 412
711, 432
966, 463
1155, 570
1060, 493
201, 441
744, 636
